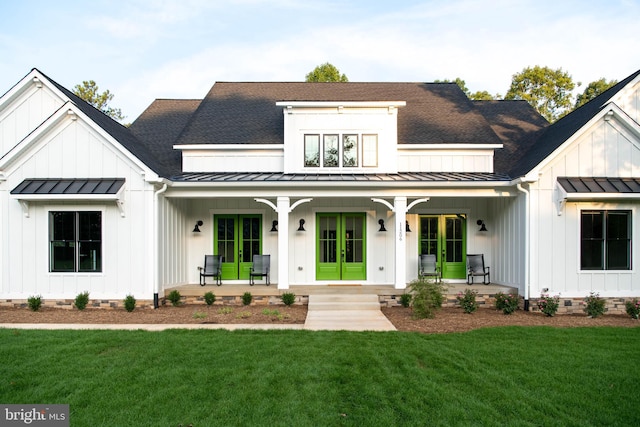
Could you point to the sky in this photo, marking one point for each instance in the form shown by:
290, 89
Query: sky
141, 50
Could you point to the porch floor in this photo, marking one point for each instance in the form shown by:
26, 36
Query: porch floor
237, 290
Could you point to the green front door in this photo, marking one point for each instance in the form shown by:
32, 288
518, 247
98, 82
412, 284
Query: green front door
237, 238
445, 236
341, 246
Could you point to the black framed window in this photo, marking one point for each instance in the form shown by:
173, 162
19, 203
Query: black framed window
75, 243
605, 240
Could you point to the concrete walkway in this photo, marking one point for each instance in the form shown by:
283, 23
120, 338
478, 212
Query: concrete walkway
355, 312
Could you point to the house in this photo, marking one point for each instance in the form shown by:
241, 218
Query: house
341, 183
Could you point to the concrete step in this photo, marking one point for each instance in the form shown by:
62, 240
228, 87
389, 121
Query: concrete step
346, 312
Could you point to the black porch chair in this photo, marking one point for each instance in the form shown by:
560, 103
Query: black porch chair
260, 268
429, 267
476, 267
212, 268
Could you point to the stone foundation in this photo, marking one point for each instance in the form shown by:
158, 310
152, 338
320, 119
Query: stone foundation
67, 304
576, 305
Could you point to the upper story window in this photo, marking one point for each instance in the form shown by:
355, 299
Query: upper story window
340, 150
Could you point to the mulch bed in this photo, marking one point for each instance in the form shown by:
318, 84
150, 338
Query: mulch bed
446, 320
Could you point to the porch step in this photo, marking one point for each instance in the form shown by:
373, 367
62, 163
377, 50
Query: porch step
349, 312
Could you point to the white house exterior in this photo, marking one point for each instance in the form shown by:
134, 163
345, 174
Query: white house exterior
312, 173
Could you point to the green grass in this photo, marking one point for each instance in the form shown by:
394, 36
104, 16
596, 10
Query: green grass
504, 376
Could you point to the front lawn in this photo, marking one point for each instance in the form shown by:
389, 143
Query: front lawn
499, 376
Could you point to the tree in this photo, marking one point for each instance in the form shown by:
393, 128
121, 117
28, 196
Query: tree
88, 91
326, 73
592, 90
546, 90
478, 96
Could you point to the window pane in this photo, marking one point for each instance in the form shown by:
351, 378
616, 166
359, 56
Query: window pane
63, 226
618, 255
618, 225
63, 255
618, 244
350, 150
90, 226
312, 150
90, 256
592, 225
369, 150
591, 255
330, 151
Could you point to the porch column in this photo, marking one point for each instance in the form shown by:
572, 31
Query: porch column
283, 242
400, 209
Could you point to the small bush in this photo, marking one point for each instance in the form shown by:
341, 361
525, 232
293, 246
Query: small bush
199, 315
594, 305
507, 303
209, 298
288, 298
225, 310
243, 315
247, 298
35, 302
405, 300
467, 300
82, 300
174, 297
548, 304
633, 308
427, 297
129, 303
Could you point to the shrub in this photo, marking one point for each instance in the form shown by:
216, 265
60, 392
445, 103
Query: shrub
633, 308
427, 297
467, 300
129, 303
209, 298
594, 305
247, 298
548, 304
199, 315
174, 297
35, 302
405, 300
82, 300
288, 298
507, 303
225, 310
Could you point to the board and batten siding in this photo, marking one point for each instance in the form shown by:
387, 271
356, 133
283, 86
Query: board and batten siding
607, 149
72, 149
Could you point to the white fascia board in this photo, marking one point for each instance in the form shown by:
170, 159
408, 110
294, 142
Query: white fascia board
336, 104
460, 146
606, 113
226, 147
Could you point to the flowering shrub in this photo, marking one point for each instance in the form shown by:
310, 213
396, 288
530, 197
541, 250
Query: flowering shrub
467, 300
594, 305
633, 308
507, 303
548, 304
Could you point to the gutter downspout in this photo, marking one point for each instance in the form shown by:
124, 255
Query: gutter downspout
156, 246
527, 239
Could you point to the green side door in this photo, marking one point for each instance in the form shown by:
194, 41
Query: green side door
237, 238
341, 246
445, 237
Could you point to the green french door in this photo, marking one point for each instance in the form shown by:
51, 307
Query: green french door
237, 238
445, 236
341, 246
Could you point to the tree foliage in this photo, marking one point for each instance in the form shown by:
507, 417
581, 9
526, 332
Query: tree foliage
546, 90
88, 91
326, 73
592, 90
477, 96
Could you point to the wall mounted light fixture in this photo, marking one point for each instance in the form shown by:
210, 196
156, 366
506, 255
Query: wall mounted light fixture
407, 229
301, 228
381, 222
274, 226
196, 229
481, 224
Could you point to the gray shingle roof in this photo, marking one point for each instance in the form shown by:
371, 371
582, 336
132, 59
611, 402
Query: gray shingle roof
159, 126
246, 113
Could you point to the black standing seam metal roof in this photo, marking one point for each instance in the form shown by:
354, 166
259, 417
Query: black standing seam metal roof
59, 187
599, 185
460, 177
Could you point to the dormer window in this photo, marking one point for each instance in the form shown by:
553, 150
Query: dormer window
340, 150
